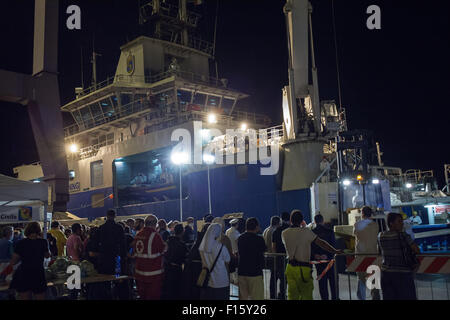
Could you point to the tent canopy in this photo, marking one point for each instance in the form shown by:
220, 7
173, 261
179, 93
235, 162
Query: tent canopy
21, 201
12, 189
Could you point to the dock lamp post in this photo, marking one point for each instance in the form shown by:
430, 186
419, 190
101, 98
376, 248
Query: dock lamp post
180, 158
209, 160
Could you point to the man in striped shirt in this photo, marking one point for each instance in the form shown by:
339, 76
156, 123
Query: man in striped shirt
397, 275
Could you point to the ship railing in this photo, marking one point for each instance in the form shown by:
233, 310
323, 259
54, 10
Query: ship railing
134, 79
265, 138
193, 42
139, 105
170, 11
227, 144
417, 176
103, 118
251, 116
109, 81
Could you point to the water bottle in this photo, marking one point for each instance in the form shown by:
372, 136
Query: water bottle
118, 269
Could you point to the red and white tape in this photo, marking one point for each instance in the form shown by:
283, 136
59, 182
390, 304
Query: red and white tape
430, 265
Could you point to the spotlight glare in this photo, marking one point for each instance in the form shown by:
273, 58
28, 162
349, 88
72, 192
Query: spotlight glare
179, 158
209, 158
212, 118
73, 148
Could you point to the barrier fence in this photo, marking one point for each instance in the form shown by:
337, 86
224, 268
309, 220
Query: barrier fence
432, 277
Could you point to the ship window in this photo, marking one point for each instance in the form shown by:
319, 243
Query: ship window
227, 103
242, 172
72, 174
76, 115
98, 200
107, 107
213, 101
110, 139
102, 140
97, 173
125, 99
200, 99
114, 101
184, 96
96, 112
86, 116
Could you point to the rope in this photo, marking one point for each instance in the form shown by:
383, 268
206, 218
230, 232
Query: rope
90, 204
330, 264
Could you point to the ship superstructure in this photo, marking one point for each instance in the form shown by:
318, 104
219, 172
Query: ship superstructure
118, 147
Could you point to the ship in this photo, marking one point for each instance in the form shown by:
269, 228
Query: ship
123, 148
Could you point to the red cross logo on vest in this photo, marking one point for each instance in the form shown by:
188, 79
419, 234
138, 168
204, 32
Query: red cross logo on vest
139, 246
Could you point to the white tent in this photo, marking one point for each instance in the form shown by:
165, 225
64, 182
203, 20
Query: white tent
22, 201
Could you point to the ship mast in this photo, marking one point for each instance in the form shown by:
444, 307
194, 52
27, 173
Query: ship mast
94, 65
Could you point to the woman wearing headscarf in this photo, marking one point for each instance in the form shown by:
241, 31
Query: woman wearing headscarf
211, 248
224, 239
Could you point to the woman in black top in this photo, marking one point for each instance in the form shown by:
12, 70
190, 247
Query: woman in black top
29, 277
193, 268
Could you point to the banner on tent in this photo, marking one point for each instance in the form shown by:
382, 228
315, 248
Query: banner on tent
22, 214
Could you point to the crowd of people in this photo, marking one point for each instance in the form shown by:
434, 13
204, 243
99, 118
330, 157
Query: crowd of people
166, 260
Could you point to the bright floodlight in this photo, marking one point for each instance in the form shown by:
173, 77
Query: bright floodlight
212, 118
73, 148
179, 158
409, 185
209, 158
244, 126
375, 181
205, 133
347, 182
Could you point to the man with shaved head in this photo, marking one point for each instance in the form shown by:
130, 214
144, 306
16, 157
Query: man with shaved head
149, 248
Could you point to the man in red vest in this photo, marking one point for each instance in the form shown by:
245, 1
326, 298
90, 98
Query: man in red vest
149, 271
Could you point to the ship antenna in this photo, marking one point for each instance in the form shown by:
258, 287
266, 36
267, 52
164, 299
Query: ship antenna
82, 72
337, 55
94, 64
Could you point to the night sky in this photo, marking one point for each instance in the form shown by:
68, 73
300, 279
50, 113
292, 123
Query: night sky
395, 81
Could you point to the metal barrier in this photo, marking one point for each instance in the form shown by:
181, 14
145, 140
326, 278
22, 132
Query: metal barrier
433, 267
431, 281
275, 284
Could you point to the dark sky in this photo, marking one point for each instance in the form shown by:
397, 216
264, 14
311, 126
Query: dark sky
395, 81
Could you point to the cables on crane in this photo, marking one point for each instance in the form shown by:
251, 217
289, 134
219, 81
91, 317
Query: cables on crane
215, 39
337, 55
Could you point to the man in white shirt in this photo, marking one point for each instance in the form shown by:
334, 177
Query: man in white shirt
297, 241
233, 234
415, 219
267, 234
275, 222
366, 235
